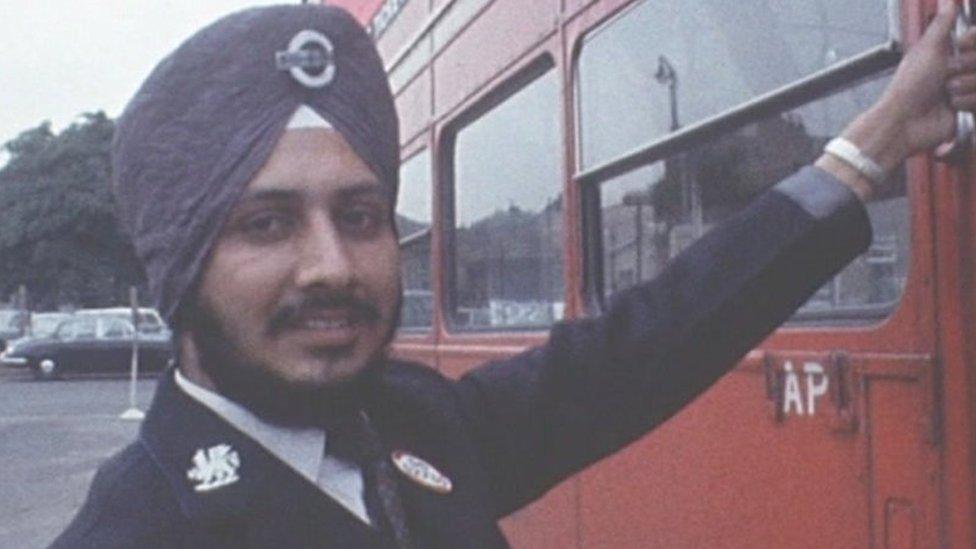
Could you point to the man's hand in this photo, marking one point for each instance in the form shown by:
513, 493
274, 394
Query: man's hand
917, 111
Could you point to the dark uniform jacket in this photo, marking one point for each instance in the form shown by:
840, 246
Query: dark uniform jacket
510, 430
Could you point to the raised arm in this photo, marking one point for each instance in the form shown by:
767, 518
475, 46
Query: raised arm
600, 383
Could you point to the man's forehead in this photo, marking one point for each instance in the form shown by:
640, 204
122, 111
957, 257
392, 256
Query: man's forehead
313, 161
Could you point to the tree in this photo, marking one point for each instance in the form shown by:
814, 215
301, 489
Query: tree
59, 235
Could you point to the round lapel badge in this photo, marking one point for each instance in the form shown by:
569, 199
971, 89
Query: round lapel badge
421, 472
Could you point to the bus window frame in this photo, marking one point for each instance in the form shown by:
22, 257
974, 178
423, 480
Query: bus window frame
529, 72
845, 74
420, 146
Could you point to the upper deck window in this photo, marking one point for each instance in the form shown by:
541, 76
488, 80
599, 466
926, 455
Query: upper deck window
712, 55
507, 265
665, 64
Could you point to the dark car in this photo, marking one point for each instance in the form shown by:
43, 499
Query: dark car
90, 344
12, 325
42, 325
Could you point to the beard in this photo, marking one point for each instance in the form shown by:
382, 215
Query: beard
266, 393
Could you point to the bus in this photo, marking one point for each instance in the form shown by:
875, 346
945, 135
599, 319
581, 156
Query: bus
556, 151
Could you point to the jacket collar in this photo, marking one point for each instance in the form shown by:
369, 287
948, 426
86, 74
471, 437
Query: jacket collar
407, 411
301, 448
213, 468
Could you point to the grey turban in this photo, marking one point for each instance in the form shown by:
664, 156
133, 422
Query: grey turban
208, 116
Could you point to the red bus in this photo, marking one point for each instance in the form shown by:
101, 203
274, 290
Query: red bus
555, 151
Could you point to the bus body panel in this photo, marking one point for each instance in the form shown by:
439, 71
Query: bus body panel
825, 436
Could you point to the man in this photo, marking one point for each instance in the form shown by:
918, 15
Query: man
257, 169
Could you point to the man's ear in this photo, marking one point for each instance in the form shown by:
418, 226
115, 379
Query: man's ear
188, 358
184, 345
182, 318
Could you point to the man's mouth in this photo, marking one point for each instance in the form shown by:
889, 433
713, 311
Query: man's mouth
323, 324
324, 319
324, 328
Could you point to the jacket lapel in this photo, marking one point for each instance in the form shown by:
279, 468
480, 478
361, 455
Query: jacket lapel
413, 421
224, 479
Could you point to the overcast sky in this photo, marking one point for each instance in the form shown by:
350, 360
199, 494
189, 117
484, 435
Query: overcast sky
59, 58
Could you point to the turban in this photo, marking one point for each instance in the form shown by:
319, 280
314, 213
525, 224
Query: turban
209, 115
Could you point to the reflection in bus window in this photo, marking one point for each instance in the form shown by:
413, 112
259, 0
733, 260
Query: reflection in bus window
413, 221
651, 214
668, 63
508, 258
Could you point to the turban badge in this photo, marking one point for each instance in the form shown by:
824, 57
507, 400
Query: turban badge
310, 59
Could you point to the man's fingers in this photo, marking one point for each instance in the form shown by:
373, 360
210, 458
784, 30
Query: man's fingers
966, 102
962, 63
967, 42
962, 85
962, 93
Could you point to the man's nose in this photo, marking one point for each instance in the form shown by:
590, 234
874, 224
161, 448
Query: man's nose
324, 258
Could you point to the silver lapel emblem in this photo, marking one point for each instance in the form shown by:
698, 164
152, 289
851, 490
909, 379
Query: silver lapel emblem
214, 467
310, 59
422, 472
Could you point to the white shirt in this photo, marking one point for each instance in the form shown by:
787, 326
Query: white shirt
302, 449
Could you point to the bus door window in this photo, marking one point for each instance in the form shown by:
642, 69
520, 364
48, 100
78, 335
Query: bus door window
663, 64
507, 264
636, 85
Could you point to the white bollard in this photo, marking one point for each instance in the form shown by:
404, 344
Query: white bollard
133, 412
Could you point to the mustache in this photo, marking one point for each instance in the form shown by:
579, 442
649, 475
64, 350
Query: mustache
291, 313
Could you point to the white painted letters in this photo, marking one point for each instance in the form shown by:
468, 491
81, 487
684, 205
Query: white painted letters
816, 386
792, 398
815, 390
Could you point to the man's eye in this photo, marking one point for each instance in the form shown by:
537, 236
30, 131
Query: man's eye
361, 220
266, 226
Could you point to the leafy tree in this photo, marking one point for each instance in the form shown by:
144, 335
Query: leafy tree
59, 235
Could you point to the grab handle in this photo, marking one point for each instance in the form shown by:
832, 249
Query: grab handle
959, 148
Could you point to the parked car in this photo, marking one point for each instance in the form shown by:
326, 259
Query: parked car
12, 325
42, 325
148, 319
90, 343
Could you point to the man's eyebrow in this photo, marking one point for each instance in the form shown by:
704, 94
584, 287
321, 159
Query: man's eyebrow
362, 189
366, 189
270, 195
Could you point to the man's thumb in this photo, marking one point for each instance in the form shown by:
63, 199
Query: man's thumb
943, 22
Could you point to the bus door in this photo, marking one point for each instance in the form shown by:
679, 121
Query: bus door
826, 436
955, 256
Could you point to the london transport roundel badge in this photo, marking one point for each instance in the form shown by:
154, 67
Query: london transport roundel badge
310, 59
421, 472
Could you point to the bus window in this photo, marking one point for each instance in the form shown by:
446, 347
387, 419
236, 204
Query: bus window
649, 215
645, 74
413, 221
712, 55
507, 265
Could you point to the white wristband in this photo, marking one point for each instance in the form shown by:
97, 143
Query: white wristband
848, 152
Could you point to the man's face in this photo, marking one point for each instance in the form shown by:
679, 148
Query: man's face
301, 291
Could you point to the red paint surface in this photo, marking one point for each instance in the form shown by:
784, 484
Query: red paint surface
363, 10
891, 464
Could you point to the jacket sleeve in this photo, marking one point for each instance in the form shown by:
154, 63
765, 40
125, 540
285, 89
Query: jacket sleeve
600, 383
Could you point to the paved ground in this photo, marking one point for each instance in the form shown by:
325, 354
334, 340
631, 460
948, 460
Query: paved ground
52, 437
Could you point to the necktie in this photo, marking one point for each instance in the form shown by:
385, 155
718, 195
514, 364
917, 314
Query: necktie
353, 439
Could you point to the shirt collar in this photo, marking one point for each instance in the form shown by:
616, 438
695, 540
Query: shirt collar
302, 449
